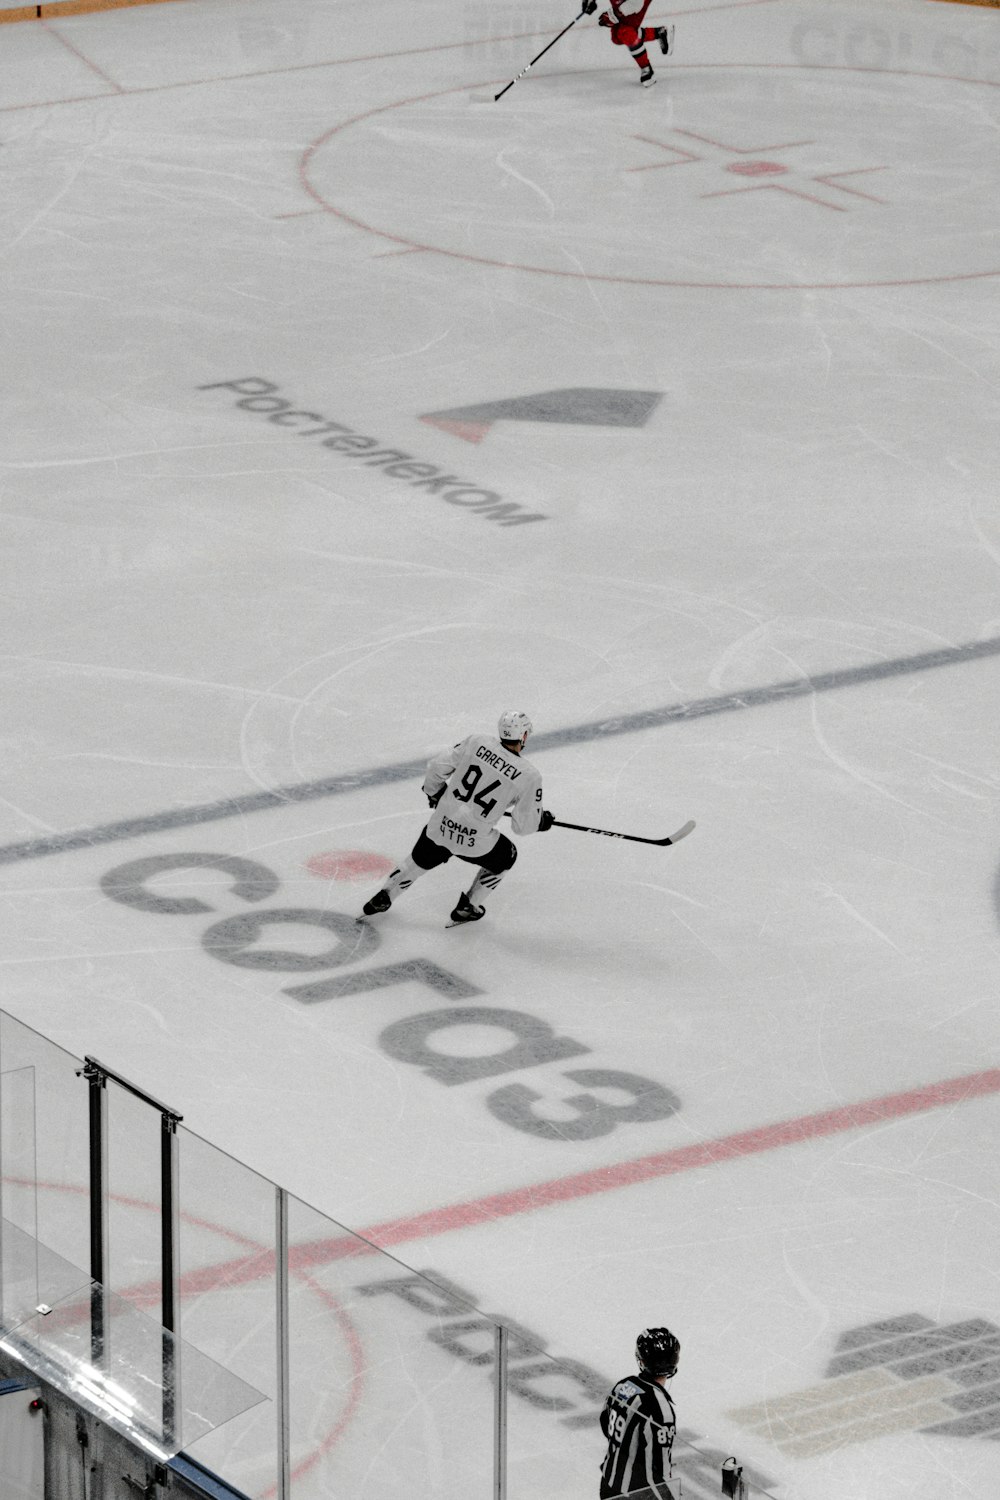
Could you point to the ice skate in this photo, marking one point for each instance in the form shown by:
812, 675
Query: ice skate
665, 34
647, 77
380, 902
466, 912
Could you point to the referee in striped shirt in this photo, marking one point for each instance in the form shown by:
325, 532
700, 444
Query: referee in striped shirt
639, 1422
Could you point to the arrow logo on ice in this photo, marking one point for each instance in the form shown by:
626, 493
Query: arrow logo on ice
586, 406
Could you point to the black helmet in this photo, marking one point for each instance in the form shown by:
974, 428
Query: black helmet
657, 1351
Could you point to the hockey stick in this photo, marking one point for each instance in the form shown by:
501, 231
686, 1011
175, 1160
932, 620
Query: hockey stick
674, 838
634, 838
535, 59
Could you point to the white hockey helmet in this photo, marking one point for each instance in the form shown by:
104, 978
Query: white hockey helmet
513, 726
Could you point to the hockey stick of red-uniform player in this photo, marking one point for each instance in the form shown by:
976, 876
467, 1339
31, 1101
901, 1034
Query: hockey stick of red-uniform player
535, 59
634, 838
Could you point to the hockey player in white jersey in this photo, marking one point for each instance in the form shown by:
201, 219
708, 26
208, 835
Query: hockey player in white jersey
469, 788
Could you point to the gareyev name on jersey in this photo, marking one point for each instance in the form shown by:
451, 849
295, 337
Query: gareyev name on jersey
483, 781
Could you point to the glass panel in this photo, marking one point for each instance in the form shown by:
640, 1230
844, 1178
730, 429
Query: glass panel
61, 1166
33, 1275
390, 1374
554, 1443
18, 1180
18, 1188
228, 1301
124, 1384
134, 1252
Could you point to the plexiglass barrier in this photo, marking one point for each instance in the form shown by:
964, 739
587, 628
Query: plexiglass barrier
302, 1361
33, 1276
375, 1387
228, 1301
110, 1358
52, 1174
17, 1131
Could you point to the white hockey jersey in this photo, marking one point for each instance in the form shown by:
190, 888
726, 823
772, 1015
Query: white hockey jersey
483, 781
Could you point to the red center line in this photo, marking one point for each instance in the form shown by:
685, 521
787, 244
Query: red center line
665, 1164
305, 1257
608, 1179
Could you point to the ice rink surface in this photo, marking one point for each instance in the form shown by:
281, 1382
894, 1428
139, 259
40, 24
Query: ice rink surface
344, 409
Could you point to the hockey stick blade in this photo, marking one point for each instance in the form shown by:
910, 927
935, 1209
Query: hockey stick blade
682, 833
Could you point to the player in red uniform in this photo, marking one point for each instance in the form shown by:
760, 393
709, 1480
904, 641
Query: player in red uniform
628, 31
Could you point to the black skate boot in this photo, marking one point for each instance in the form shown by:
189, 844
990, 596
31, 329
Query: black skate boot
466, 912
666, 39
381, 901
647, 77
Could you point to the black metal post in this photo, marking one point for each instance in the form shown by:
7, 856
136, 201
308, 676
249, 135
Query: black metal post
98, 1119
283, 1403
501, 1347
170, 1255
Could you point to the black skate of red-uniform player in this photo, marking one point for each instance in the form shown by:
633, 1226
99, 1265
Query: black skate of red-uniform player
628, 31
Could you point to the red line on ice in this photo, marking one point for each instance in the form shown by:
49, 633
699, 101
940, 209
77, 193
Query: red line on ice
604, 1179
305, 1257
662, 1164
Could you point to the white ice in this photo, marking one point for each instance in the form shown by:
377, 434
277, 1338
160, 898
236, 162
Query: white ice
793, 239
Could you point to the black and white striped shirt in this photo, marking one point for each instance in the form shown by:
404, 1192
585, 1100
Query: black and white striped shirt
639, 1422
